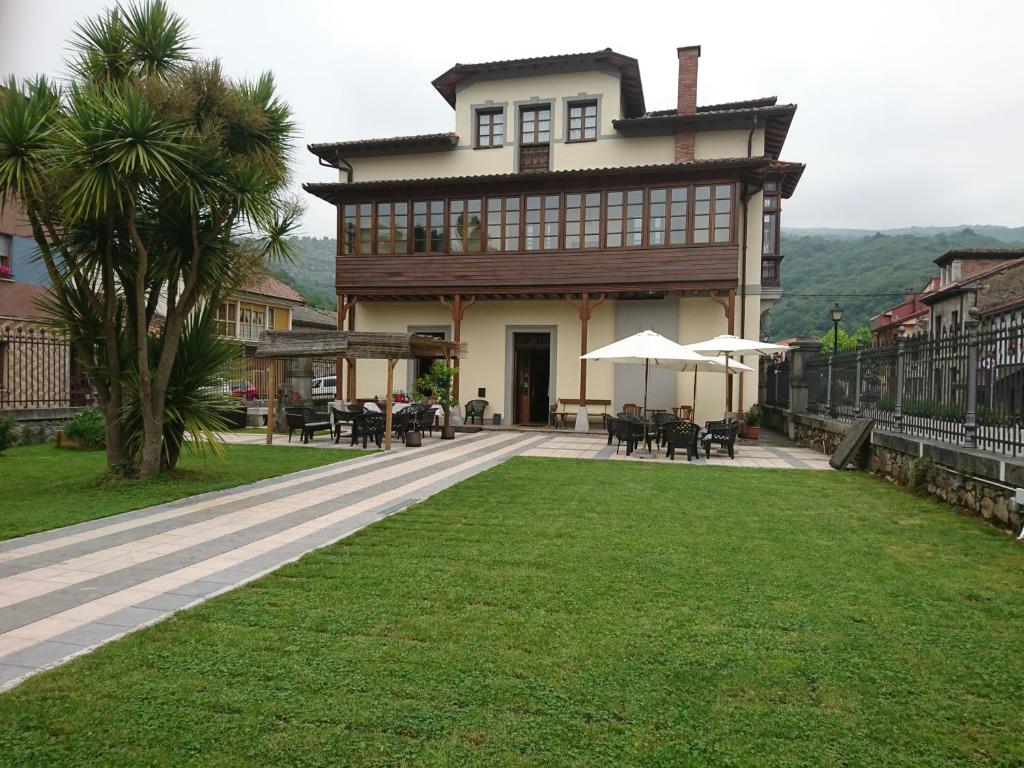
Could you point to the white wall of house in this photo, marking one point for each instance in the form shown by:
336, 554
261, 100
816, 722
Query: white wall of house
485, 330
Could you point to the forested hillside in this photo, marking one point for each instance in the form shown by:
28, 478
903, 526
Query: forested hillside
864, 274
312, 273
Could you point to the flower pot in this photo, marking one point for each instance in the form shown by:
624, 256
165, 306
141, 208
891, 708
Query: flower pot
413, 439
448, 433
752, 432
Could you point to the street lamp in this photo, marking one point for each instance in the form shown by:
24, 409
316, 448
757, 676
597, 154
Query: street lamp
837, 315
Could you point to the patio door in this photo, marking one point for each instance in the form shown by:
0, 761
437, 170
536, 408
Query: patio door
532, 375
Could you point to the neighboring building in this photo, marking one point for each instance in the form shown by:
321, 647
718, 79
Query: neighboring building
261, 303
558, 216
969, 277
37, 367
313, 318
911, 314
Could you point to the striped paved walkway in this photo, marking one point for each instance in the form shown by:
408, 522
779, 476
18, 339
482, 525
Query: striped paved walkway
64, 592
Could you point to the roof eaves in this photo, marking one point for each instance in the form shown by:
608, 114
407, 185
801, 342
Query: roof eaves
321, 188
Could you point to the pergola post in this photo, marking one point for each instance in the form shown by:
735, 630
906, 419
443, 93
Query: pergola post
271, 397
458, 309
388, 404
349, 309
584, 310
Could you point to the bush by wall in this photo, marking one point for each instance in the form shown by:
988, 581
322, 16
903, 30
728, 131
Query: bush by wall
88, 428
7, 438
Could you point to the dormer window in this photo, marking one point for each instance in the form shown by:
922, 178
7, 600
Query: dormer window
582, 121
490, 128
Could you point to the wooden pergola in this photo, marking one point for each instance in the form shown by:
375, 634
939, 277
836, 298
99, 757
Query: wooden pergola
354, 345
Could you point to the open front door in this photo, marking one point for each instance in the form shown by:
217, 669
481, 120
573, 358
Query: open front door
532, 374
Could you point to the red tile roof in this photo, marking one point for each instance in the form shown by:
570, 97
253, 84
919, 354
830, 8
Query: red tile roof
629, 73
267, 285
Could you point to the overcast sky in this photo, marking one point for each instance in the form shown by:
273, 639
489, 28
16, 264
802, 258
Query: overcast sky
909, 112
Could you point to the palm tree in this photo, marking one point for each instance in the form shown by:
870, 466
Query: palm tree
139, 177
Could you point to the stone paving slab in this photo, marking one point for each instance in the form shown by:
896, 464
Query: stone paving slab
42, 626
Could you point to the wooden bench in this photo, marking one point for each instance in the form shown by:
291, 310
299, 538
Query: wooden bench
562, 411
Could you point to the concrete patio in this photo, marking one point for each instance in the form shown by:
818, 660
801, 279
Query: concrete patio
770, 451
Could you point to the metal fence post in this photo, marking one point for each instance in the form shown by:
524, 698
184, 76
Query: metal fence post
971, 417
901, 342
829, 408
856, 384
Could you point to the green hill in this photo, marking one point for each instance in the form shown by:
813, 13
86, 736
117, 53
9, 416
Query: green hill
312, 273
865, 274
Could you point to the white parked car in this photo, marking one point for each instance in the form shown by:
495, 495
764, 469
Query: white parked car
323, 387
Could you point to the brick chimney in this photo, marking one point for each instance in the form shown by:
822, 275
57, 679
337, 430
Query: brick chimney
686, 103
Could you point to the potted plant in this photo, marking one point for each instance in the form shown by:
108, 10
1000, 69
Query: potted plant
437, 384
752, 419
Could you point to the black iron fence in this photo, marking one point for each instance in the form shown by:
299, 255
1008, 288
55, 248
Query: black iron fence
38, 369
963, 386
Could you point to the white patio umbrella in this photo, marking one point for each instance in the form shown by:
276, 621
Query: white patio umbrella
720, 364
728, 345
645, 348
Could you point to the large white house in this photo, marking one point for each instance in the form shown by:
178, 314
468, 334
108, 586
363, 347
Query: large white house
559, 215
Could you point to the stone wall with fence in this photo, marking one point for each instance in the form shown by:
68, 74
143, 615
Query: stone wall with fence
947, 411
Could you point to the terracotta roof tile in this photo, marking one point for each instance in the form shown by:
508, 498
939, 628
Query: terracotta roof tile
267, 285
311, 316
322, 188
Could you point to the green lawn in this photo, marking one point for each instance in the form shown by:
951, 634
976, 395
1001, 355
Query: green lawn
45, 487
580, 613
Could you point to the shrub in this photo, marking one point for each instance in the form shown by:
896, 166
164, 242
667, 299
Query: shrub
88, 428
753, 416
7, 438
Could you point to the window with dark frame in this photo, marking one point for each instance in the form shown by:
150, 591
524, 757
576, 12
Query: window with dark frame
502, 224
582, 121
656, 217
393, 227
490, 128
770, 234
428, 226
712, 213
535, 125
465, 225
624, 218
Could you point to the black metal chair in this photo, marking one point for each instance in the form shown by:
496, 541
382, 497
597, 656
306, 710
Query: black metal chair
609, 424
425, 420
658, 422
624, 433
643, 431
306, 421
342, 417
370, 426
721, 433
475, 410
681, 434
406, 420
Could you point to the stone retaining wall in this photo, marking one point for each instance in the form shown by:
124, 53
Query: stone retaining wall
982, 483
38, 425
